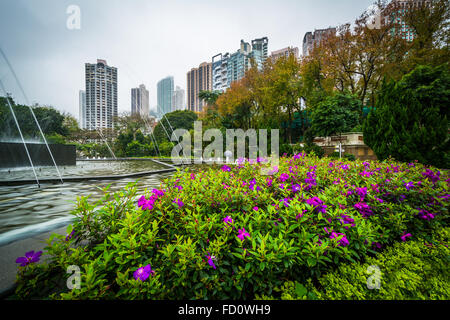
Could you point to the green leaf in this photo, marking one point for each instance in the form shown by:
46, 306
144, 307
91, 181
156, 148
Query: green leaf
262, 266
311, 262
300, 290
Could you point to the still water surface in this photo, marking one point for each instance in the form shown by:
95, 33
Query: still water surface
27, 209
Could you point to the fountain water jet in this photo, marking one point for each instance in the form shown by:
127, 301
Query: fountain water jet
20, 132
32, 112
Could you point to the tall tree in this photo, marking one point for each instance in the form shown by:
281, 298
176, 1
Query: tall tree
410, 121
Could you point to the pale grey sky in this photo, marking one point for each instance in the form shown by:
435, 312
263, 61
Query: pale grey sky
146, 40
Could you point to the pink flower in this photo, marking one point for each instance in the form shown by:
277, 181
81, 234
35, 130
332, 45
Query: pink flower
210, 260
242, 234
30, 257
405, 235
227, 220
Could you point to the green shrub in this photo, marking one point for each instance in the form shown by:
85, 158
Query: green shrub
314, 148
349, 157
286, 149
411, 270
304, 221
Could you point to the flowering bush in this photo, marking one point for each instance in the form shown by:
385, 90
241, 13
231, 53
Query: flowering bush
229, 232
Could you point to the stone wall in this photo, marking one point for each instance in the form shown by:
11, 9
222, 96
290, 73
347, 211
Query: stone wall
13, 154
352, 142
361, 152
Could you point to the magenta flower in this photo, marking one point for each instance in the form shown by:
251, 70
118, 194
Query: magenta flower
283, 177
376, 245
296, 188
30, 257
225, 168
70, 235
426, 215
366, 173
361, 192
158, 193
301, 214
255, 208
405, 235
364, 209
409, 185
210, 260
178, 202
242, 234
317, 203
142, 201
375, 188
143, 273
346, 220
228, 220
430, 175
342, 241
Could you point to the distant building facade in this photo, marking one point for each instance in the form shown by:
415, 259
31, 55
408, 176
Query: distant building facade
164, 96
101, 95
312, 39
285, 52
82, 109
178, 99
220, 72
227, 67
198, 79
140, 101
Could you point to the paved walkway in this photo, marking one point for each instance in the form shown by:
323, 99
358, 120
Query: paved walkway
10, 252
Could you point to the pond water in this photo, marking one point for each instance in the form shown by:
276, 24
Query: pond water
83, 168
26, 209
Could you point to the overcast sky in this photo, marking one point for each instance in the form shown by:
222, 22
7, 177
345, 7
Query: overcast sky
146, 40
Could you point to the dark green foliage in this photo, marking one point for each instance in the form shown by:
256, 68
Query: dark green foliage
349, 157
336, 114
50, 120
411, 118
312, 147
180, 119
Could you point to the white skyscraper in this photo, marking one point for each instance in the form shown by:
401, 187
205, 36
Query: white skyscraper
178, 99
101, 95
140, 101
82, 109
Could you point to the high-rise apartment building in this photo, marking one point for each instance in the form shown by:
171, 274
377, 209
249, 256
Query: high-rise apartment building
285, 52
220, 72
232, 67
312, 39
140, 101
101, 95
260, 50
164, 96
198, 79
178, 99
82, 109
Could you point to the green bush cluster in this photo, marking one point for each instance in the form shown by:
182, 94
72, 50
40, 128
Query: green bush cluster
412, 270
